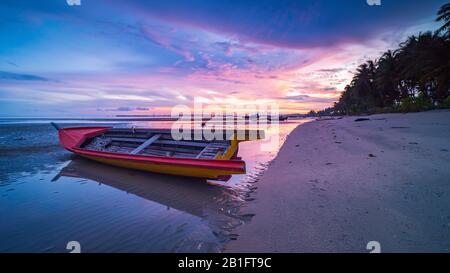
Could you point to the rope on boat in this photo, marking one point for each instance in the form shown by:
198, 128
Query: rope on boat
55, 125
59, 129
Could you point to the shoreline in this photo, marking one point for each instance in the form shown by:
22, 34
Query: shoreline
338, 184
188, 215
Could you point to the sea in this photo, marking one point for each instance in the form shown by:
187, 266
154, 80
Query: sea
54, 201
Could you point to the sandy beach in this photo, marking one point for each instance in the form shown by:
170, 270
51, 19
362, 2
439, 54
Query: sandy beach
338, 184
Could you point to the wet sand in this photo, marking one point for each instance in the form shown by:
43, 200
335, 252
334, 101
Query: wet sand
49, 197
338, 184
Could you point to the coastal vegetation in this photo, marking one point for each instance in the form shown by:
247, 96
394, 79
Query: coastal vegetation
415, 77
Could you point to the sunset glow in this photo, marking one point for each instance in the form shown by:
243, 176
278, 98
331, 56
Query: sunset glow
110, 57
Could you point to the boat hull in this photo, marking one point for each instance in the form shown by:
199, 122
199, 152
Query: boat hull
171, 169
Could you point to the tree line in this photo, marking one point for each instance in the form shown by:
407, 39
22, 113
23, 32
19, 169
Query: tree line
415, 77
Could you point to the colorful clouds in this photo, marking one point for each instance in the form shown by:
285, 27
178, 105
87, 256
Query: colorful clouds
147, 56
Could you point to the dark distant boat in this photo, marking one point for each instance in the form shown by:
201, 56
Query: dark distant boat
155, 150
268, 118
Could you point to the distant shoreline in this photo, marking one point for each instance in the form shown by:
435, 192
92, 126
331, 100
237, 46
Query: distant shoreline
115, 118
338, 184
97, 119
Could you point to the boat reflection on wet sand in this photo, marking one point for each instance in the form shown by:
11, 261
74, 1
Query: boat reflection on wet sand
217, 205
112, 209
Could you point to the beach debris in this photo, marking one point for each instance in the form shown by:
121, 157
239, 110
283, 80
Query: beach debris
372, 155
181, 227
439, 194
324, 119
248, 215
361, 119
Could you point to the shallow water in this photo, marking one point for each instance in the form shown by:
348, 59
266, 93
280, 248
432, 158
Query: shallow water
49, 197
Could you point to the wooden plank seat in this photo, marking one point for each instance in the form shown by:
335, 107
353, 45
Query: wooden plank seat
161, 141
212, 150
145, 144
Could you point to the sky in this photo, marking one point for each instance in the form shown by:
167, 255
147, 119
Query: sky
144, 57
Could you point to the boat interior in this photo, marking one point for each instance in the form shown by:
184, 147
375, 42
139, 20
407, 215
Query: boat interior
154, 142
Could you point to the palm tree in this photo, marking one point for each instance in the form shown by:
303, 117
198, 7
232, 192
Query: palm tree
385, 79
418, 73
434, 56
361, 87
444, 16
409, 66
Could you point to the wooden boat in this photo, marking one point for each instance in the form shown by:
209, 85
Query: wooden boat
155, 150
